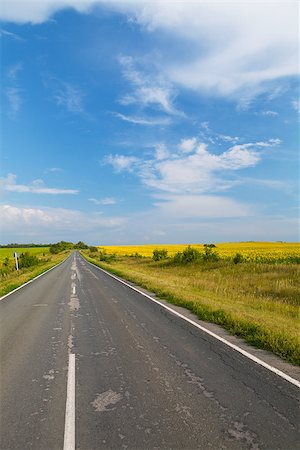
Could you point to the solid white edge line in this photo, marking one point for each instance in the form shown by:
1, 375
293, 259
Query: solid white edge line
33, 279
219, 338
69, 434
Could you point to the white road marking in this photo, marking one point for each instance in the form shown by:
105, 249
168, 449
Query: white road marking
219, 338
69, 436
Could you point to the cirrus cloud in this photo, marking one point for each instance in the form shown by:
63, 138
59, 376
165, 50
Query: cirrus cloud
9, 184
239, 48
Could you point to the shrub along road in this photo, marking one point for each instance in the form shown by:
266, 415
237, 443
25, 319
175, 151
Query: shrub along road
88, 362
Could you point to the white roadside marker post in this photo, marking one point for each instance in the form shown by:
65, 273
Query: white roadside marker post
16, 260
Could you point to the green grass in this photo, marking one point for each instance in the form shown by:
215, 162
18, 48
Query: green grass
14, 279
9, 252
258, 302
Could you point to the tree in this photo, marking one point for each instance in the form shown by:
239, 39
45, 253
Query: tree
81, 245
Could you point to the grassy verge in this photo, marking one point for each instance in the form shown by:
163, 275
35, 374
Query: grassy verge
258, 302
16, 279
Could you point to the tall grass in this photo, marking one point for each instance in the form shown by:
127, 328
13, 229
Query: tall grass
259, 302
13, 279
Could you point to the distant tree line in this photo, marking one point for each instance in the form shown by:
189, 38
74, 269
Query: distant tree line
63, 246
17, 245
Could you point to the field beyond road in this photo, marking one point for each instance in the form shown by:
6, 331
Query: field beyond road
258, 301
251, 251
37, 260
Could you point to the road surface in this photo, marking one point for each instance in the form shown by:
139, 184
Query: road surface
88, 363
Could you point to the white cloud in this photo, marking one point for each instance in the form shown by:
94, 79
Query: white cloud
296, 105
205, 126
19, 223
121, 162
233, 60
200, 206
144, 121
198, 171
226, 138
103, 201
148, 89
14, 70
13, 92
14, 97
9, 184
270, 113
10, 35
70, 97
36, 11
239, 48
161, 152
66, 95
188, 145
54, 169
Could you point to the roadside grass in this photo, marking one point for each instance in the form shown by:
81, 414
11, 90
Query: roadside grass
258, 302
15, 279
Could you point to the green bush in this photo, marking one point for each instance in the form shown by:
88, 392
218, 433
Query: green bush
103, 256
6, 262
238, 258
209, 253
81, 245
189, 254
93, 249
135, 255
27, 260
160, 254
60, 247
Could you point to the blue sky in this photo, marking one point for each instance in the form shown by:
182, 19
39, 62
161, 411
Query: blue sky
160, 122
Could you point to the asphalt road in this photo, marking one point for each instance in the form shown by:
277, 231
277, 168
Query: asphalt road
143, 378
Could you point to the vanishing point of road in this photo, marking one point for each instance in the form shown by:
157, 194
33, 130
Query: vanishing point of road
89, 363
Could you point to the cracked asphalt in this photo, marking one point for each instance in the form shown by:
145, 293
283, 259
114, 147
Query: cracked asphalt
144, 378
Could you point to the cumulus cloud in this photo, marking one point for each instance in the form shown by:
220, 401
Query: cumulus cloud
188, 145
9, 184
172, 219
200, 206
20, 223
161, 152
196, 171
121, 162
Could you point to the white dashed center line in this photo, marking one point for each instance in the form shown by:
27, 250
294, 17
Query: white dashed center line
69, 436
